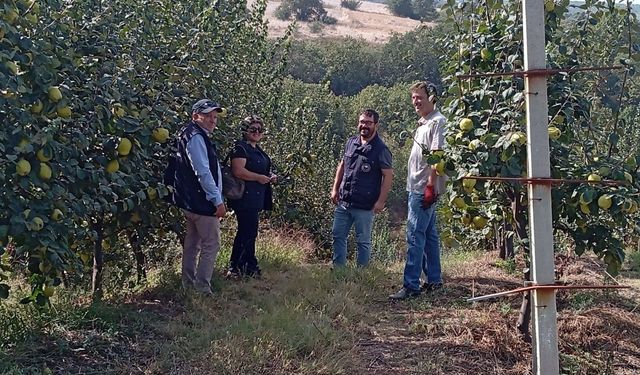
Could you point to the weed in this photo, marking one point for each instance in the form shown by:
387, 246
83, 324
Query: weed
634, 261
581, 301
508, 265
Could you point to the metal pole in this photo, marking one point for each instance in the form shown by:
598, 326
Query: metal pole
545, 330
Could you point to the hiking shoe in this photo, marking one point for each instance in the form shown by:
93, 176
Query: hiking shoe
404, 293
431, 287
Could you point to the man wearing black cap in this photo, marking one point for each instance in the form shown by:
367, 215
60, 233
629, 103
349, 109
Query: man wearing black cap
197, 191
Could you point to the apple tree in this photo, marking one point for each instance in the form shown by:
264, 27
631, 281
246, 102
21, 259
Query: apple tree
91, 92
487, 134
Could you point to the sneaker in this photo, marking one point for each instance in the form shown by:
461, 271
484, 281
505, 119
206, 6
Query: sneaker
431, 287
234, 274
404, 293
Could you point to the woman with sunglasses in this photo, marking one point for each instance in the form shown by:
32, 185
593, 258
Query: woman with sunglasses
251, 164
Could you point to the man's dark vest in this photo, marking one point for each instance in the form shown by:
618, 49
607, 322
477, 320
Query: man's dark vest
188, 191
360, 187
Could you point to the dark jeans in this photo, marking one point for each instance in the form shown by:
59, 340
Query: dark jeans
243, 255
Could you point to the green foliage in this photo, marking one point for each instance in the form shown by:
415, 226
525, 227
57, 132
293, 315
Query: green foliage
350, 65
634, 261
351, 4
489, 39
508, 265
113, 86
581, 301
416, 9
401, 8
301, 10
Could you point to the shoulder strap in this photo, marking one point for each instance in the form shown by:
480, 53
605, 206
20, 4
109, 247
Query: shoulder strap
238, 143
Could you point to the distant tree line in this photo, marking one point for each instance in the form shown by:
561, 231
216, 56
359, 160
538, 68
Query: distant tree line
349, 65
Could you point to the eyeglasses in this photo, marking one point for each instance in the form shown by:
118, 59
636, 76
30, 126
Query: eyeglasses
255, 130
366, 122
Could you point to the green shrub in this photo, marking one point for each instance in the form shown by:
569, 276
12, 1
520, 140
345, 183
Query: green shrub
401, 8
302, 10
328, 20
415, 9
316, 27
350, 4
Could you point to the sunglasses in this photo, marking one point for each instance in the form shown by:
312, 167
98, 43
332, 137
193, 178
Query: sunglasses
255, 130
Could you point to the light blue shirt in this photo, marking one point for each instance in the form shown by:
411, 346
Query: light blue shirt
197, 154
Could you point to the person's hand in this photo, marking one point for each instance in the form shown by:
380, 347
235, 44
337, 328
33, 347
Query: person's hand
379, 206
335, 196
273, 179
221, 211
264, 179
429, 196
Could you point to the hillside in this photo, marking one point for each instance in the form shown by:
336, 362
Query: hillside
372, 22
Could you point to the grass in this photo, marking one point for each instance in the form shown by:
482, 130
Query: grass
303, 318
298, 318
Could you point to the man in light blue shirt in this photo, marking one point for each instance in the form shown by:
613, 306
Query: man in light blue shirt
197, 182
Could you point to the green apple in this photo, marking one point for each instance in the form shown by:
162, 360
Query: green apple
519, 137
56, 214
64, 111
469, 182
12, 67
605, 202
23, 167
113, 166
55, 95
459, 203
594, 177
44, 172
473, 145
585, 209
480, 222
628, 177
160, 135
48, 291
37, 224
37, 107
466, 124
124, 147
554, 133
44, 154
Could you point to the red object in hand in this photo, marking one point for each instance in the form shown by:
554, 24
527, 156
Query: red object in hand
429, 196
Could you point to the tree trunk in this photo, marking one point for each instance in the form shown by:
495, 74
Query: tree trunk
506, 249
98, 262
525, 312
519, 210
134, 240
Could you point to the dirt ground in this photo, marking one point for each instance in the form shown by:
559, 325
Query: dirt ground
441, 333
372, 22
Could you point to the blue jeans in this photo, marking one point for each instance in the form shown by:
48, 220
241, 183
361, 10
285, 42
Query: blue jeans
343, 219
423, 244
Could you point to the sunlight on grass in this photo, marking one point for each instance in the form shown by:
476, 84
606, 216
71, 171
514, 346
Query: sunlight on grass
298, 318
